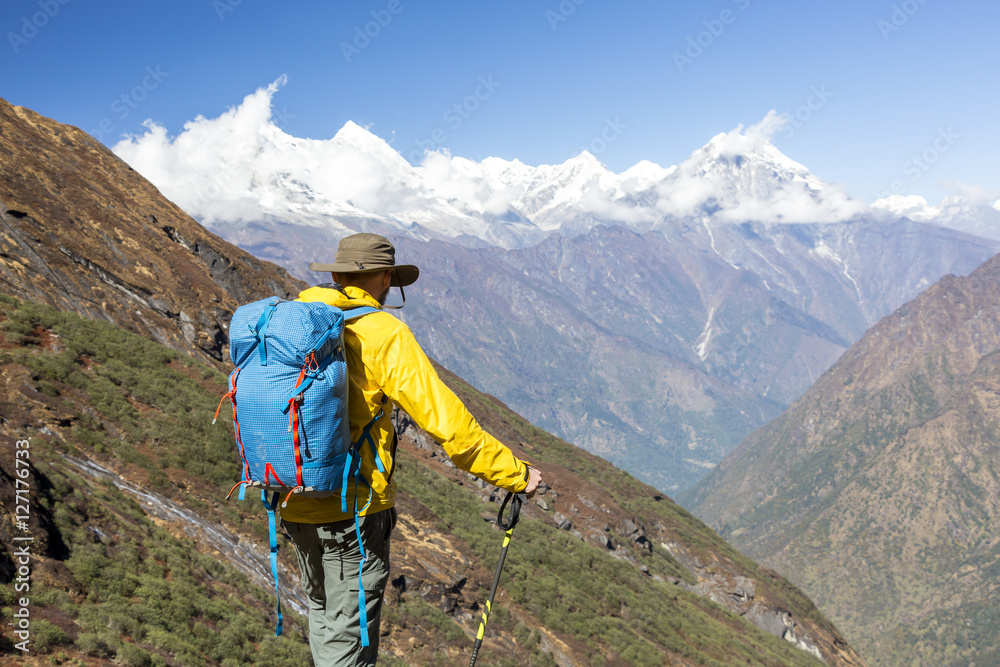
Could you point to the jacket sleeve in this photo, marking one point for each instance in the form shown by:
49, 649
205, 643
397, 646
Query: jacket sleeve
410, 381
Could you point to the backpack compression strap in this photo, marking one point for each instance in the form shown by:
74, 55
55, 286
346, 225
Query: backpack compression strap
261, 328
272, 533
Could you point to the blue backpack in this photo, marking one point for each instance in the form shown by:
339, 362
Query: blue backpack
289, 396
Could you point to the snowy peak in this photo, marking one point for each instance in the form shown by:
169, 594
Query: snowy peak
353, 136
725, 154
741, 176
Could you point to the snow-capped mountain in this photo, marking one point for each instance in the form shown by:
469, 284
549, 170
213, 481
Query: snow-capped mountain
242, 167
739, 177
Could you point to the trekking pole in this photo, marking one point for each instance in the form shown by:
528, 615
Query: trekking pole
515, 513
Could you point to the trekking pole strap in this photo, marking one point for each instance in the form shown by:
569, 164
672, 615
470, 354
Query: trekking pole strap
515, 509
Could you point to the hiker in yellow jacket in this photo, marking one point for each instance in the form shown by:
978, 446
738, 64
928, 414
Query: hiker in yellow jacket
386, 367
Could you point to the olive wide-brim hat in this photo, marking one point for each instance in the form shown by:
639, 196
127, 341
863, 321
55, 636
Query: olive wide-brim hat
368, 253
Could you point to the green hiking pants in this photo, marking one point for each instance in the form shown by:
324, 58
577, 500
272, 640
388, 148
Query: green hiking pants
329, 558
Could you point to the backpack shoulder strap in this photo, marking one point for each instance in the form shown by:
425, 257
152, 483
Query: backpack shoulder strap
351, 313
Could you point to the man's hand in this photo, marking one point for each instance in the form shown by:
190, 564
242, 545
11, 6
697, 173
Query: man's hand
534, 479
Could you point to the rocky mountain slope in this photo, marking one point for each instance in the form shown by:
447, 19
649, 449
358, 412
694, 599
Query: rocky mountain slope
703, 297
878, 491
83, 231
136, 558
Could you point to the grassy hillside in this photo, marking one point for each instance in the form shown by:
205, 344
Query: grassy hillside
111, 582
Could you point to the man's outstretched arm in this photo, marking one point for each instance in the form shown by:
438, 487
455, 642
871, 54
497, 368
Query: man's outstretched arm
411, 382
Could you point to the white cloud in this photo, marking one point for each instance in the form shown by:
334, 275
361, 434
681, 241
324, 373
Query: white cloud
913, 207
241, 166
976, 195
756, 138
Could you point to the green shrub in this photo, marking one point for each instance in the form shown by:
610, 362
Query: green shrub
91, 644
45, 635
131, 655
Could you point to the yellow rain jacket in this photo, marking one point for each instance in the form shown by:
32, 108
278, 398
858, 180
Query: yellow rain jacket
384, 360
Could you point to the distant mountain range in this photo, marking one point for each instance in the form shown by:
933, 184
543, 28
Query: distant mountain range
655, 316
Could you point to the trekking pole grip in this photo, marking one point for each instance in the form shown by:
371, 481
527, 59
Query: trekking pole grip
515, 509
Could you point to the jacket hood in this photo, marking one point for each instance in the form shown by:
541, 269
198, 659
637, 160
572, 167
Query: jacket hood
343, 298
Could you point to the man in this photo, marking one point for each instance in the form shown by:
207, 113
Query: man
386, 367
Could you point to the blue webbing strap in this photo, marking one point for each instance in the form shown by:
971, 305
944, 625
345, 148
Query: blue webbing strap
352, 466
243, 492
348, 464
351, 313
362, 606
246, 355
273, 535
366, 434
261, 327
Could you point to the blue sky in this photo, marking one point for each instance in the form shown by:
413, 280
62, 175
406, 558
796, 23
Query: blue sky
867, 86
